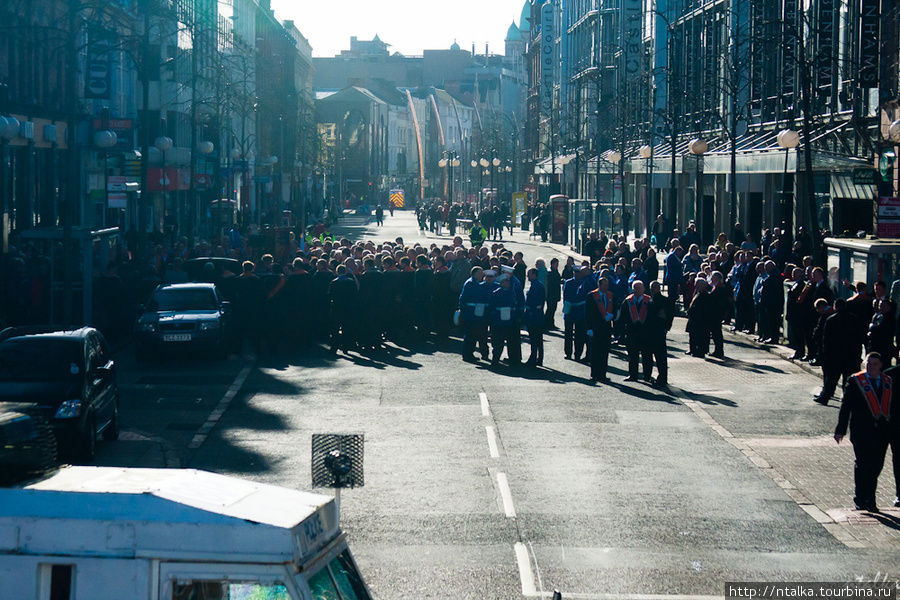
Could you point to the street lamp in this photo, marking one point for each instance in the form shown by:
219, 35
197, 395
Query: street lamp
105, 140
450, 159
698, 147
9, 129
614, 157
495, 162
787, 139
164, 144
205, 148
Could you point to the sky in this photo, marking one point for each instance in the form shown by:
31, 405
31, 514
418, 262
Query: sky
409, 26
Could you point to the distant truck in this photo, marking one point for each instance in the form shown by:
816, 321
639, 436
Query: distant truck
107, 533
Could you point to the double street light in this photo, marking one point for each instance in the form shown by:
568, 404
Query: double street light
450, 159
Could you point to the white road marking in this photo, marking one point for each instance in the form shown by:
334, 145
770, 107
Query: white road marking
492, 442
202, 433
506, 495
485, 407
525, 574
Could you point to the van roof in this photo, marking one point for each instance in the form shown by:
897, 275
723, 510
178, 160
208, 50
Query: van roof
169, 514
163, 495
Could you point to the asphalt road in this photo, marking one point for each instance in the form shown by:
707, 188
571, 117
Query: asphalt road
500, 484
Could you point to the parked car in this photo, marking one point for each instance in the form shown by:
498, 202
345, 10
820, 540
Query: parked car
27, 445
70, 376
184, 316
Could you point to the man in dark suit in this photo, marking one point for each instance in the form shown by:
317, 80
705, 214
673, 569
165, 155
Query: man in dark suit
599, 314
866, 407
893, 373
633, 312
841, 349
721, 300
659, 322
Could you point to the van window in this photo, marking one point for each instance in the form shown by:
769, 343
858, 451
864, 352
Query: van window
228, 590
339, 580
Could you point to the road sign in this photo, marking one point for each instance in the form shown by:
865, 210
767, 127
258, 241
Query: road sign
116, 183
864, 176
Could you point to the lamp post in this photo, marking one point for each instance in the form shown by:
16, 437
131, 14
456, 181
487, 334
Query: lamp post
787, 139
495, 162
164, 144
450, 159
104, 140
484, 165
9, 129
698, 148
563, 161
615, 158
205, 149
646, 152
474, 165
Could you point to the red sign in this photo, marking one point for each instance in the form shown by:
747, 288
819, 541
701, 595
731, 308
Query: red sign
171, 179
888, 218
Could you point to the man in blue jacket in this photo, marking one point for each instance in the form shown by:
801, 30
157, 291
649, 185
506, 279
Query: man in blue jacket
505, 320
575, 293
474, 301
534, 318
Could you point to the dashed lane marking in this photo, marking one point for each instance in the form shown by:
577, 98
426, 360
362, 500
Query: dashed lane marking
506, 495
492, 442
485, 407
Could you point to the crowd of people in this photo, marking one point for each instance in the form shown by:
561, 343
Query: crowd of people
356, 296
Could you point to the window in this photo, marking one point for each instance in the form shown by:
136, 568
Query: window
227, 590
339, 580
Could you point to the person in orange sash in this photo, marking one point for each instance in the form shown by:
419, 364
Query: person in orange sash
599, 314
634, 312
866, 407
894, 373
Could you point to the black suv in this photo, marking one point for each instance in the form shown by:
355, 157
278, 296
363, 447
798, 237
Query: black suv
191, 316
70, 376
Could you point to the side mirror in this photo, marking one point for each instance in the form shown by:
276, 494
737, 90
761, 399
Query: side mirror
225, 306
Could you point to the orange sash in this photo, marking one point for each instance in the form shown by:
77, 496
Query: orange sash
632, 307
600, 304
878, 409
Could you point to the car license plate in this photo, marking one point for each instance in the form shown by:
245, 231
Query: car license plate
177, 337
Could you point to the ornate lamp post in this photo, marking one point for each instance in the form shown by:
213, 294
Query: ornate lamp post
787, 139
164, 144
698, 148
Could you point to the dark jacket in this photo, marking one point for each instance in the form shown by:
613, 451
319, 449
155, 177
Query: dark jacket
856, 413
842, 342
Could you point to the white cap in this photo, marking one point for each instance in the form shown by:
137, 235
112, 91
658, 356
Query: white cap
490, 273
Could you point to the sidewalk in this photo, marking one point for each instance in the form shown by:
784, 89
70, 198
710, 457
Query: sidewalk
761, 403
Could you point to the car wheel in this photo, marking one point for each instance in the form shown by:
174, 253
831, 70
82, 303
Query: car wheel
89, 443
111, 433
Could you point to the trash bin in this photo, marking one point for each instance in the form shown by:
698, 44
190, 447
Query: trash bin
526, 222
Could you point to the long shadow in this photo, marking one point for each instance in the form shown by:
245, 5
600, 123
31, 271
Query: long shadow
711, 400
741, 365
657, 395
887, 520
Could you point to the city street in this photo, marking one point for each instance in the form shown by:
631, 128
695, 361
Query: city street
485, 483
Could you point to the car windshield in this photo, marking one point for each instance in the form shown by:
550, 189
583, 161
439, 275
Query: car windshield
40, 359
183, 299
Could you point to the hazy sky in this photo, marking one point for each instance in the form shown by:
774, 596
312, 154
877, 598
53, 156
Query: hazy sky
410, 26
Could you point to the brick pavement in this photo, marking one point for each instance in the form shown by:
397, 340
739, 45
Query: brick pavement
761, 403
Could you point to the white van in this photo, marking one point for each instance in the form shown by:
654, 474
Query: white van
105, 533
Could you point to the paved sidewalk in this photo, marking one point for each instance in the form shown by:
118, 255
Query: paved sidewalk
761, 403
